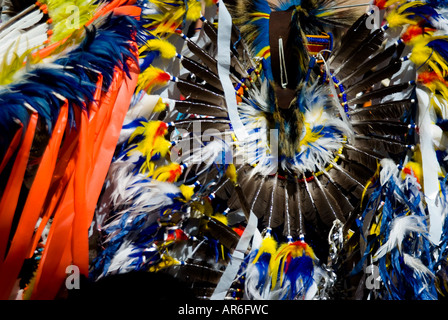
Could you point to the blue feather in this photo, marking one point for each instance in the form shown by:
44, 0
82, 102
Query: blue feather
423, 11
440, 46
299, 268
263, 268
437, 3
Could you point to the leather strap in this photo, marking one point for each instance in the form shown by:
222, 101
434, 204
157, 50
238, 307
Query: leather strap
280, 27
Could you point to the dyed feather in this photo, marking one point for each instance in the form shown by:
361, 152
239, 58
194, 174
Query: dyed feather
152, 78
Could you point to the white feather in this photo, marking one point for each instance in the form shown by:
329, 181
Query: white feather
143, 108
401, 226
389, 171
26, 22
208, 153
260, 147
121, 261
252, 279
17, 43
261, 97
319, 153
418, 266
136, 193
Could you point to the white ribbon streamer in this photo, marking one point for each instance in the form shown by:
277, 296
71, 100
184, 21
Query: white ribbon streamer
223, 59
430, 167
237, 258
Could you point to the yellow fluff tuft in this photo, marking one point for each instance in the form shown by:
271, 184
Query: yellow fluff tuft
187, 191
221, 218
231, 173
168, 173
194, 11
414, 169
166, 49
152, 144
422, 54
152, 77
397, 18
268, 245
160, 106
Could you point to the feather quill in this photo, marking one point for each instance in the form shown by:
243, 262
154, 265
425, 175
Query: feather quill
384, 73
351, 40
195, 92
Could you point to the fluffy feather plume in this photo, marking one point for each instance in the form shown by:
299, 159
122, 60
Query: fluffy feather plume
413, 32
419, 268
187, 191
168, 173
430, 51
171, 15
258, 273
194, 10
151, 78
399, 16
293, 268
434, 82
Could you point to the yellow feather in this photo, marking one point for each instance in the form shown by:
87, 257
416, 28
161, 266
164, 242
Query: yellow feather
409, 4
10, 67
310, 136
167, 261
396, 19
420, 53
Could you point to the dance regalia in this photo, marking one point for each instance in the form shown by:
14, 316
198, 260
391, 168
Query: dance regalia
248, 150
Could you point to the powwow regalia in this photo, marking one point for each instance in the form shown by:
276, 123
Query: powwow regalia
247, 149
